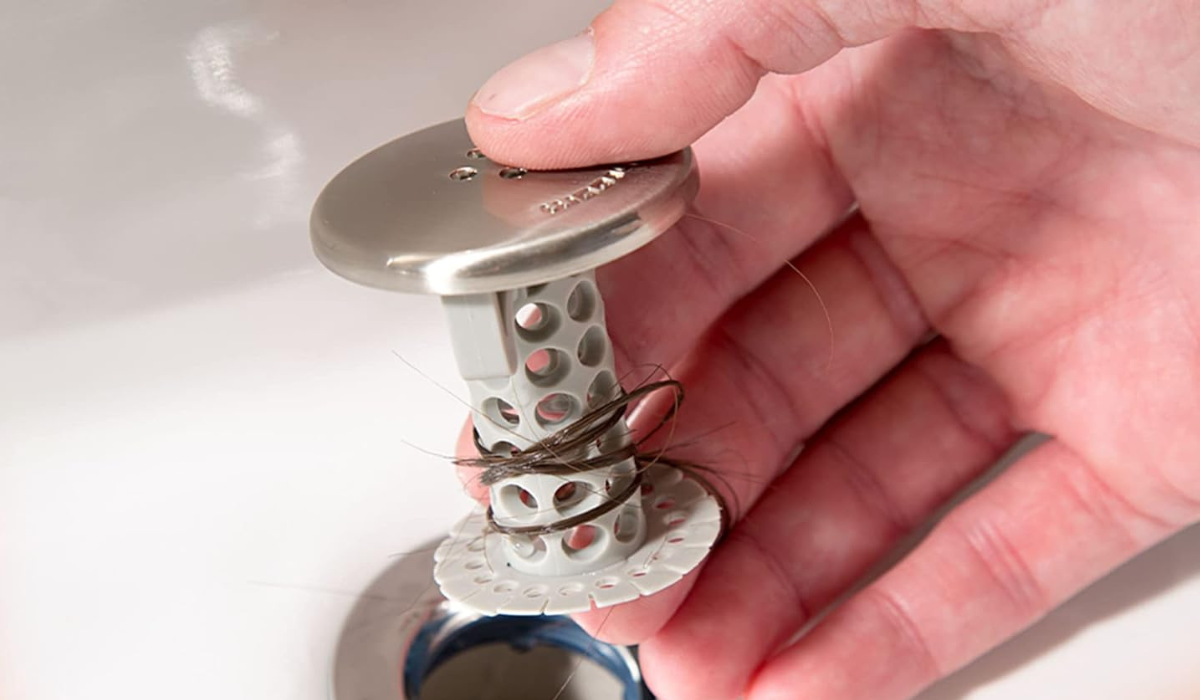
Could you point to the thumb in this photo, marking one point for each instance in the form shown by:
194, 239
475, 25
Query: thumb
651, 76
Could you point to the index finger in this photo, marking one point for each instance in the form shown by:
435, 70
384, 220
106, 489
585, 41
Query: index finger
651, 76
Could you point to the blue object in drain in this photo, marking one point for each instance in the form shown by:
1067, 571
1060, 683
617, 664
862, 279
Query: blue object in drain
428, 651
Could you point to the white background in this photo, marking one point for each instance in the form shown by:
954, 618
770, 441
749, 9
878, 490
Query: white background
204, 437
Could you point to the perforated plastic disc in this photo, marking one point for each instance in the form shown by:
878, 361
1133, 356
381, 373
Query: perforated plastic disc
682, 523
428, 213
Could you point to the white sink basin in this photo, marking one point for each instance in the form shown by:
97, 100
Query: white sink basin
203, 434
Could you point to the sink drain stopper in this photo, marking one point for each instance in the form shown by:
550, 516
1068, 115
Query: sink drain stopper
512, 253
403, 640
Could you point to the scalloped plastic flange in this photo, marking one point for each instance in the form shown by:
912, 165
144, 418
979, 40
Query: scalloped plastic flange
683, 521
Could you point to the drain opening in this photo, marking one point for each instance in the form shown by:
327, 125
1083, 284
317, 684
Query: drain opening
518, 658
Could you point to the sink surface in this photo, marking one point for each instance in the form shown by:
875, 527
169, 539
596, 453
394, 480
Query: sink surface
208, 444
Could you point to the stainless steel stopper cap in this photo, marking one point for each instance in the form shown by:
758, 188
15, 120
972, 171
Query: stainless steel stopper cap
429, 213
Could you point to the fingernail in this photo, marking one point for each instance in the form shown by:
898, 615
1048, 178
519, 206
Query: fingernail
524, 86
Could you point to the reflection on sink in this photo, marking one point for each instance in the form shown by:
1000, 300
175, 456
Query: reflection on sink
203, 455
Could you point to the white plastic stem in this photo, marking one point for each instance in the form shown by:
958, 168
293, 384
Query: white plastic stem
535, 360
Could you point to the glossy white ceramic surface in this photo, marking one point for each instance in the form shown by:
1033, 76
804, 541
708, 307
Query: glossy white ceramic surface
203, 433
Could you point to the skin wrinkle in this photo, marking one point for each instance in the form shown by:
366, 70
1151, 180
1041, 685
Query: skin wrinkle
1047, 382
897, 615
865, 102
889, 286
1008, 570
1027, 208
1092, 74
745, 533
903, 313
680, 17
874, 16
756, 67
965, 415
798, 18
908, 333
1059, 329
1129, 289
951, 120
1007, 266
1005, 199
831, 28
883, 279
871, 493
822, 447
964, 16
762, 46
1017, 105
715, 257
1105, 504
748, 358
637, 344
1027, 103
631, 345
856, 102
762, 375
816, 135
1045, 211
765, 158
1023, 22
942, 248
988, 61
871, 488
763, 254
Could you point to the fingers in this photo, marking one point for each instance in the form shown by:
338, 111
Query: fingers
768, 190
1043, 530
651, 76
662, 298
874, 476
769, 374
469, 476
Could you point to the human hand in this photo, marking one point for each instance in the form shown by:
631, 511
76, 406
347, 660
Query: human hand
1028, 176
